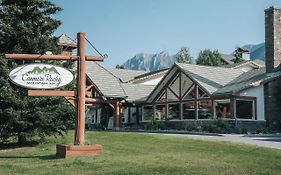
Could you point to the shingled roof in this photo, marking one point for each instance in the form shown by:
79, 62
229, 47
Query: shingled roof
221, 81
254, 64
126, 75
227, 58
65, 40
209, 77
249, 79
112, 83
106, 82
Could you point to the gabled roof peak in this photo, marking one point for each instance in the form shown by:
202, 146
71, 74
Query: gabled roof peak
65, 40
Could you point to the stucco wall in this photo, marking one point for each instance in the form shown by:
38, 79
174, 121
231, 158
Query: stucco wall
257, 92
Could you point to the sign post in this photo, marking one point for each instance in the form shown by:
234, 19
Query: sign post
81, 80
79, 96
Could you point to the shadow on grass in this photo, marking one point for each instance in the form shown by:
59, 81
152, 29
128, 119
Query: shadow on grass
16, 145
46, 157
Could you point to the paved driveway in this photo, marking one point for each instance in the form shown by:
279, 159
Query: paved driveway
269, 141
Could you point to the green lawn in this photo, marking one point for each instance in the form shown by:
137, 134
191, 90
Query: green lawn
131, 153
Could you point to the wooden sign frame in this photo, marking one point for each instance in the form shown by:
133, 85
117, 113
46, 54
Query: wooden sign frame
78, 97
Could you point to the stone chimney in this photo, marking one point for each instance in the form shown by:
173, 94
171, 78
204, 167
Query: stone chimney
272, 38
272, 95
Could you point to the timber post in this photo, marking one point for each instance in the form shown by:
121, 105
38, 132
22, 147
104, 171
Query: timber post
117, 115
81, 93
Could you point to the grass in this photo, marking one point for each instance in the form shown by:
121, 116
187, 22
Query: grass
131, 153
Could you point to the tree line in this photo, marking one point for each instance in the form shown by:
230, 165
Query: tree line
207, 57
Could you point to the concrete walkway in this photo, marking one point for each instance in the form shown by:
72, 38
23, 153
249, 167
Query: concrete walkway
269, 141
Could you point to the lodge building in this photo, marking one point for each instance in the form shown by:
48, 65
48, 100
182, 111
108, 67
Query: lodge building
246, 93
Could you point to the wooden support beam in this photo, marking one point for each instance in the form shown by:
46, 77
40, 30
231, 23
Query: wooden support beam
39, 57
117, 116
94, 58
89, 87
93, 100
88, 93
50, 93
50, 57
110, 105
71, 100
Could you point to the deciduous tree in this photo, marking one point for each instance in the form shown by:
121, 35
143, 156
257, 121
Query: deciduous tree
183, 56
209, 58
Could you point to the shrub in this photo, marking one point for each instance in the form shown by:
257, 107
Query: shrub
155, 125
214, 126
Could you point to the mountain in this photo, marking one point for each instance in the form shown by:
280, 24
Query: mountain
257, 51
150, 62
38, 70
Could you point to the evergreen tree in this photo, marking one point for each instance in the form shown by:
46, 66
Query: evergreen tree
27, 27
209, 58
119, 66
183, 56
238, 54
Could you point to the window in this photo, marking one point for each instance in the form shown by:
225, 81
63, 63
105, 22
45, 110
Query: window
188, 110
186, 83
222, 108
205, 109
160, 112
190, 94
202, 94
174, 111
171, 96
175, 86
162, 98
133, 114
148, 113
245, 109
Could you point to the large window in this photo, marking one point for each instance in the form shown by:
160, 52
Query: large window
186, 84
202, 94
171, 96
190, 94
205, 109
174, 111
188, 110
148, 113
160, 112
182, 98
162, 98
175, 86
222, 108
245, 109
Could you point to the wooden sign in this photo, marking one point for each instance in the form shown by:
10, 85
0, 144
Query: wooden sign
40, 76
46, 76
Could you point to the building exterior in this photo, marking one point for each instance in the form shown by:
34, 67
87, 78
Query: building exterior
246, 94
183, 93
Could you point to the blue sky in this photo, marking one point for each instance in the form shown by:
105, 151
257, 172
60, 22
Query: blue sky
124, 28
